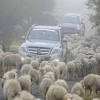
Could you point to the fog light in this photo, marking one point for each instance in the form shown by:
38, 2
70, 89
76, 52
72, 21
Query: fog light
56, 60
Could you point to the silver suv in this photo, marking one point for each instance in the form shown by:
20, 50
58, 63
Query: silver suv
72, 23
45, 43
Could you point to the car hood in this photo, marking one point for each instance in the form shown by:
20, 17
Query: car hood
40, 43
68, 25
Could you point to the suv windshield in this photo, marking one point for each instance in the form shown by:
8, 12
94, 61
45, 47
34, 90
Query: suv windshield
70, 19
44, 34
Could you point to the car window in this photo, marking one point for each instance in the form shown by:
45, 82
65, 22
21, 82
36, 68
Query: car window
69, 19
44, 34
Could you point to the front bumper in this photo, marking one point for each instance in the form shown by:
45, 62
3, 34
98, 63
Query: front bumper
50, 57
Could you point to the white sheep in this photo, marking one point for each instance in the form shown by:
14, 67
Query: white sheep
35, 64
8, 75
50, 75
56, 92
25, 82
43, 63
57, 73
24, 95
10, 60
78, 68
91, 82
94, 63
36, 78
71, 70
62, 69
72, 97
25, 69
54, 62
61, 83
11, 89
86, 66
78, 89
44, 86
14, 49
27, 60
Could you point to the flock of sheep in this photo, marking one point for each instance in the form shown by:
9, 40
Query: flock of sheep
49, 77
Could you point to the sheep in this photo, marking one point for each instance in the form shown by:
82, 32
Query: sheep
61, 83
8, 75
43, 63
78, 89
35, 64
24, 95
36, 78
97, 56
94, 63
14, 49
49, 75
25, 82
72, 97
11, 89
12, 60
78, 67
48, 68
62, 69
25, 69
27, 60
54, 62
91, 82
56, 92
57, 73
71, 69
86, 66
44, 86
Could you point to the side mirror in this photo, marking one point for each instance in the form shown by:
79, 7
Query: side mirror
64, 40
23, 37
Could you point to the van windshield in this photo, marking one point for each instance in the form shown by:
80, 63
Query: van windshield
44, 34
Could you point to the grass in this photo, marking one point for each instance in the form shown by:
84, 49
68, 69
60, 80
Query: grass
87, 95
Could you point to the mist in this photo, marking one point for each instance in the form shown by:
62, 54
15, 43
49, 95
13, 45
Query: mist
74, 6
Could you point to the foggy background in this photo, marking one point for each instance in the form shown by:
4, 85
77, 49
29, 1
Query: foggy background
17, 16
74, 6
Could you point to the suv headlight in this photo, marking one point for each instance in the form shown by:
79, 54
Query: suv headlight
23, 49
55, 51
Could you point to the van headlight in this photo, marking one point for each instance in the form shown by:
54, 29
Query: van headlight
55, 51
23, 49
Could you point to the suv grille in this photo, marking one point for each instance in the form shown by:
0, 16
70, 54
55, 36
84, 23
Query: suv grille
39, 50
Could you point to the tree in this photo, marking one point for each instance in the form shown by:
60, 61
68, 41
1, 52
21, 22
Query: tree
95, 18
23, 13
